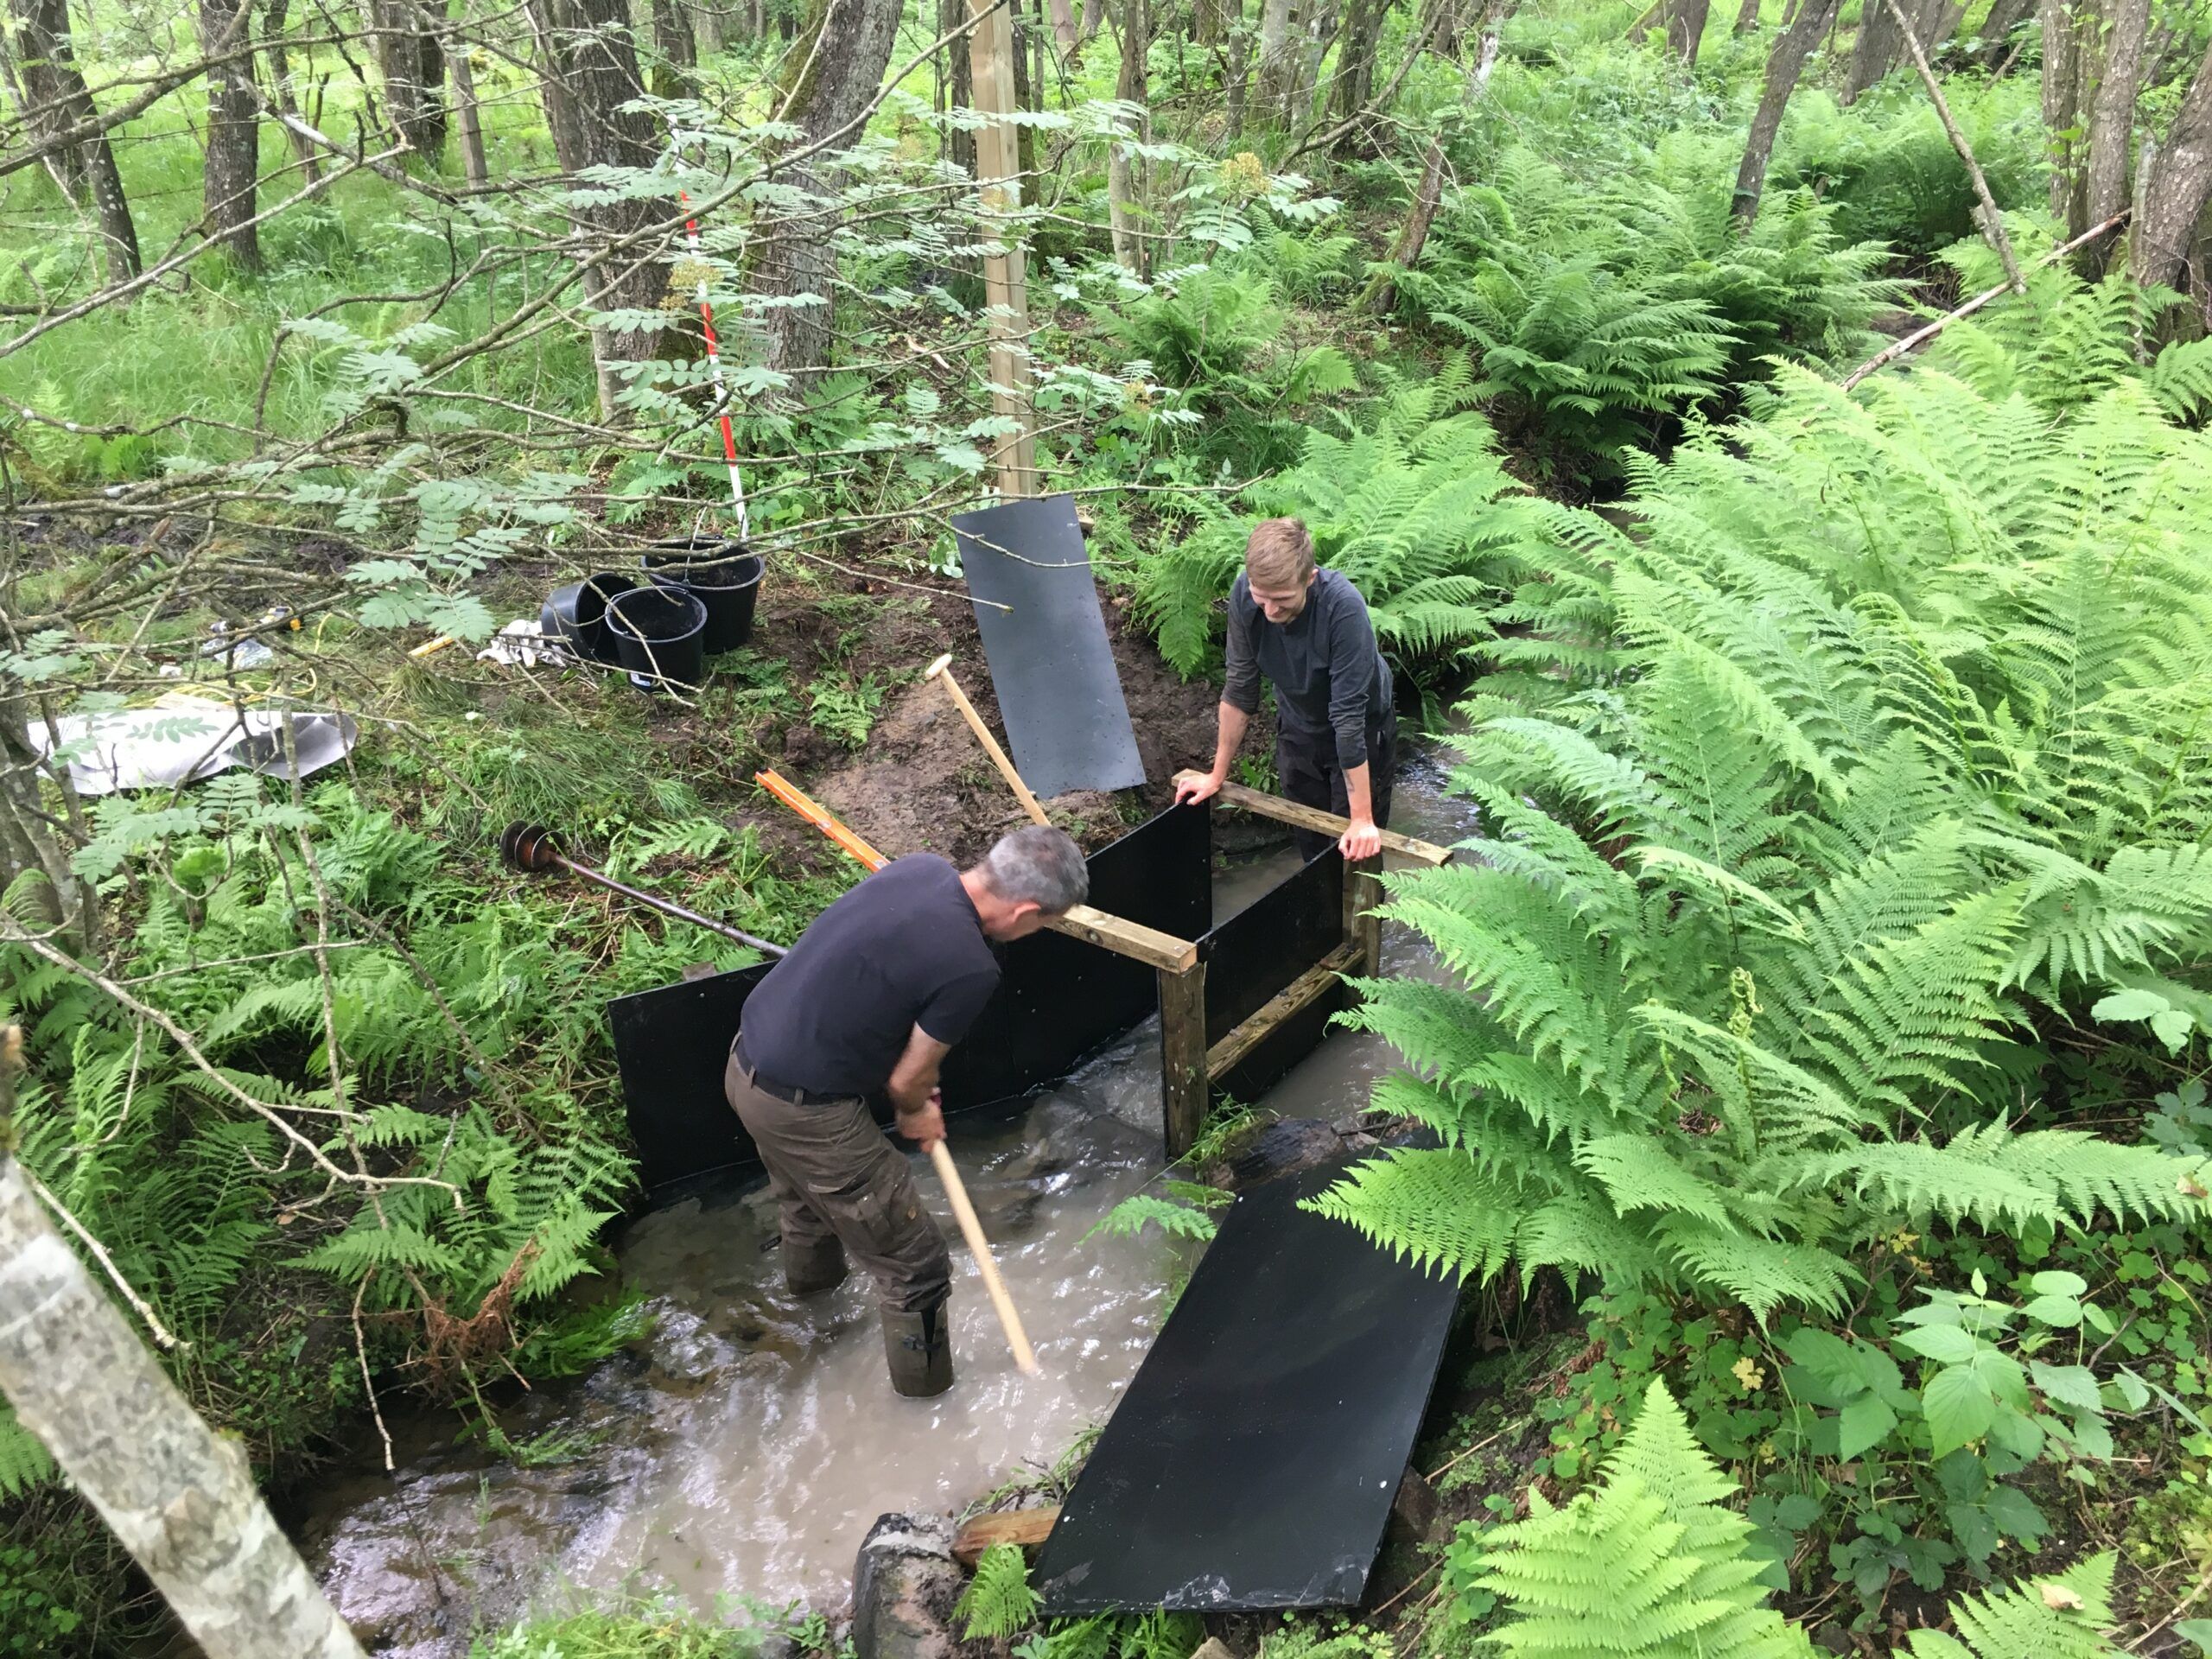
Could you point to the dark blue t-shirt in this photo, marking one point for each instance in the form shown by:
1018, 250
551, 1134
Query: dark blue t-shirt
905, 947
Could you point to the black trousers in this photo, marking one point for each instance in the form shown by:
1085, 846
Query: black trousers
1307, 766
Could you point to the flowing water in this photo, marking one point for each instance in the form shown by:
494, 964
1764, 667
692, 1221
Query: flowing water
744, 1448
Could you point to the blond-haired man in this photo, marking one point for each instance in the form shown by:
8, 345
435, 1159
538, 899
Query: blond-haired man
1307, 631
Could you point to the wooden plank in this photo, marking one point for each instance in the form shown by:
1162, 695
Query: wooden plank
1006, 279
1184, 1076
1310, 818
1027, 1528
1363, 927
1146, 945
1229, 1052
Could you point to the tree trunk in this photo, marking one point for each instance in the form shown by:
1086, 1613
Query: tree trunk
1239, 90
1064, 27
2112, 115
233, 173
833, 86
1686, 28
413, 73
588, 71
1278, 44
960, 83
2178, 183
28, 843
56, 100
275, 20
679, 52
1874, 53
467, 120
1120, 167
1747, 16
2063, 92
1028, 90
1785, 63
1322, 19
1356, 63
2005, 16
178, 1498
1991, 221
1094, 14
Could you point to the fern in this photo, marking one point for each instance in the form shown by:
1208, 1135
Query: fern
1182, 1215
2062, 1617
1650, 1565
25, 1463
998, 1601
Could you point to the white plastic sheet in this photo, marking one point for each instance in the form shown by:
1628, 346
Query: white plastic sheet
183, 739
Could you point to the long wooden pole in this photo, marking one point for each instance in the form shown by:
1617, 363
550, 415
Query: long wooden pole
1006, 281
942, 670
980, 1247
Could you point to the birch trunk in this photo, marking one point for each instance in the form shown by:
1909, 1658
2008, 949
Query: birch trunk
56, 99
231, 176
468, 122
1747, 16
1686, 28
180, 1500
1278, 44
2177, 185
2112, 113
2061, 106
1064, 35
276, 19
1120, 168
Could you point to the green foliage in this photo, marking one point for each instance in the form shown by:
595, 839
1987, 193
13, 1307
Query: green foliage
628, 1626
998, 1601
24, 1463
844, 710
1883, 753
1652, 1563
1417, 512
1185, 1212
2059, 1617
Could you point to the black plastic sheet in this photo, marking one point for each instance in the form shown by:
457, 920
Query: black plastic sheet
1253, 1462
1052, 664
1058, 1000
1258, 951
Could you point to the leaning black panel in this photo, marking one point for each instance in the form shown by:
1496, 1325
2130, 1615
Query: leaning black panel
1253, 1461
1258, 951
670, 1046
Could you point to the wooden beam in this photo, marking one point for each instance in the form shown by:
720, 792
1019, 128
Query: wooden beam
1184, 1076
1363, 927
1027, 1528
1300, 994
1006, 280
1311, 818
1146, 944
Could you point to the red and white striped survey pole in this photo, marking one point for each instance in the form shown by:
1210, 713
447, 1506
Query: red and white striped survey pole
714, 348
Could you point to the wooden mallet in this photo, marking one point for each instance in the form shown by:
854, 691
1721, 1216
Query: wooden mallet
942, 670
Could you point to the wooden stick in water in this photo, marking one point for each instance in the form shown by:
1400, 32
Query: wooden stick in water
980, 1247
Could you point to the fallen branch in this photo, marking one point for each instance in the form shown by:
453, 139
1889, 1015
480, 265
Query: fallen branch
1890, 354
1993, 222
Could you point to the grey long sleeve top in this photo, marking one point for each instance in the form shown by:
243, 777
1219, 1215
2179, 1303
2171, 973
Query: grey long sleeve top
1329, 677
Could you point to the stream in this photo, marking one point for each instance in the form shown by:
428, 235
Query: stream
738, 1454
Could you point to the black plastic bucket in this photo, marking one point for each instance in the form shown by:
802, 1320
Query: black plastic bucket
577, 613
720, 575
655, 631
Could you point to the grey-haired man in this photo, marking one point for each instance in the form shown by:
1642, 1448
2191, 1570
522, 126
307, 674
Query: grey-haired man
868, 1003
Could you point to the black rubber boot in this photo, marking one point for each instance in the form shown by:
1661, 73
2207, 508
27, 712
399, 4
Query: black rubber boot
814, 1266
919, 1347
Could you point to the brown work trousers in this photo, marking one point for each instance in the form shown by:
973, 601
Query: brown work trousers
834, 1174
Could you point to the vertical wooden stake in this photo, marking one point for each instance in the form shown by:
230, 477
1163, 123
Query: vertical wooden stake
1183, 1079
1363, 927
1005, 282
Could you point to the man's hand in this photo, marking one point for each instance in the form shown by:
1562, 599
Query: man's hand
1196, 789
926, 1125
1361, 841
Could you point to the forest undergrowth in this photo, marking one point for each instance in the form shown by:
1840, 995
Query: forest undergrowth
1830, 1021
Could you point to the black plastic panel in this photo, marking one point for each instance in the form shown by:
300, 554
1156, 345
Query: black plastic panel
1258, 951
1052, 664
1058, 1000
1284, 1047
1252, 1463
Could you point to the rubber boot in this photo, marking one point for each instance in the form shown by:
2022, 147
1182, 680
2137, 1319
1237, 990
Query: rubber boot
814, 1265
919, 1347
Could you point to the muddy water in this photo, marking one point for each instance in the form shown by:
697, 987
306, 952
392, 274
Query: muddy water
742, 1450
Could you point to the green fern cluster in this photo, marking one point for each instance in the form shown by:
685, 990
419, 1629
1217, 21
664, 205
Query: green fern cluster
1416, 510
1653, 1564
1877, 750
1599, 311
998, 1601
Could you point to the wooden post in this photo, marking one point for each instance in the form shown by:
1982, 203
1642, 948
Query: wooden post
1183, 1057
1363, 927
1005, 282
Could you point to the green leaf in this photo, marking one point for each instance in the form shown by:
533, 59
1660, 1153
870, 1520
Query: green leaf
2198, 1631
1958, 1407
1947, 1345
1867, 1423
2067, 1385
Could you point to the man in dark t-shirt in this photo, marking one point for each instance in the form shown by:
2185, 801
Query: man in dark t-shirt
1308, 631
867, 1003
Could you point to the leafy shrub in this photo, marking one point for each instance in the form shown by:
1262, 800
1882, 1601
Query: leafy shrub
1416, 512
1865, 745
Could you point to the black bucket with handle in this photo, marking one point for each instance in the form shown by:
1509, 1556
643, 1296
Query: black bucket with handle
657, 630
721, 575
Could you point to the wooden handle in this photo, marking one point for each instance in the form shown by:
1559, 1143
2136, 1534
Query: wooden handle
980, 1247
991, 745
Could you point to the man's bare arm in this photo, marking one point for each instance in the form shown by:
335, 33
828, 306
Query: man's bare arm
912, 1087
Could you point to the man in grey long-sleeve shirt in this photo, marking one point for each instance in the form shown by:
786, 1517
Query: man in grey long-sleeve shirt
1307, 631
